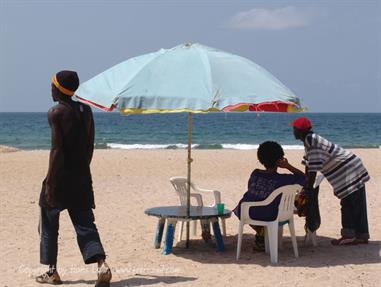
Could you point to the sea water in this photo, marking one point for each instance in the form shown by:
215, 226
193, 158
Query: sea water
209, 131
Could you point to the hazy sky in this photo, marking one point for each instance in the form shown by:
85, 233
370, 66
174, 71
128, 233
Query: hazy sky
327, 52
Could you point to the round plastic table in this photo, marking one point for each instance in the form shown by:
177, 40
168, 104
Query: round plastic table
172, 214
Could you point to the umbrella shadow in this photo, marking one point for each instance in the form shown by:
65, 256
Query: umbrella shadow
81, 281
141, 280
324, 254
137, 280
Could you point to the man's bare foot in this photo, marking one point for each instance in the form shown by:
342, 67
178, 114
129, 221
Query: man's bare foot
206, 235
104, 276
344, 241
361, 241
258, 247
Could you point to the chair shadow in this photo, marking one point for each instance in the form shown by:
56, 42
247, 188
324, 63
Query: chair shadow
141, 280
324, 254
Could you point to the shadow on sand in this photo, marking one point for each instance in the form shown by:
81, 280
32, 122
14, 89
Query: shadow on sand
75, 282
324, 254
141, 280
138, 280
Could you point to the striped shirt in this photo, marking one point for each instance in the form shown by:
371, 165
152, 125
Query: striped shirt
344, 170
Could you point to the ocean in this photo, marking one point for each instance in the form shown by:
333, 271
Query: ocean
209, 131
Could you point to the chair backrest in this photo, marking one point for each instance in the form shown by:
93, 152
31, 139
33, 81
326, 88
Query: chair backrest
285, 208
286, 205
180, 184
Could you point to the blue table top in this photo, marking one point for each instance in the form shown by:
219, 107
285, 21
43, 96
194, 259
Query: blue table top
196, 212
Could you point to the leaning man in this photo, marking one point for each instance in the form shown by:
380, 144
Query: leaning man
68, 184
346, 174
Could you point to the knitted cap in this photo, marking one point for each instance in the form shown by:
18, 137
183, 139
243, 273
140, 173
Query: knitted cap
66, 81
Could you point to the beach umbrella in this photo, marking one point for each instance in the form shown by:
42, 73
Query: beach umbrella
188, 78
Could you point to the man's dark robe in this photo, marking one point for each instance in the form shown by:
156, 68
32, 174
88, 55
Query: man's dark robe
72, 185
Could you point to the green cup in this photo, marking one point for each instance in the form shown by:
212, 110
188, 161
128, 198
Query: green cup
220, 208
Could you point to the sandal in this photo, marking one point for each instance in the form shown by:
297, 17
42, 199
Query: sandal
53, 279
342, 241
104, 276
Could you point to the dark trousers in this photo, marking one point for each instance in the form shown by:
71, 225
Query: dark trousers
354, 219
87, 235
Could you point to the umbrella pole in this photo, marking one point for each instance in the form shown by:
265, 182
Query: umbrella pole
189, 172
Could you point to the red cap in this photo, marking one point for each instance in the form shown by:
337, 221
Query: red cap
301, 123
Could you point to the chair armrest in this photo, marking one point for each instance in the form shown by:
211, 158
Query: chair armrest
216, 193
245, 206
217, 197
265, 202
198, 197
196, 188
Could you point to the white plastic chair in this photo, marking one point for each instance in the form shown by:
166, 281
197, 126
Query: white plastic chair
285, 214
180, 184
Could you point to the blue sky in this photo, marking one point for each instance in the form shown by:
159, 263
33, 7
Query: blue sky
327, 52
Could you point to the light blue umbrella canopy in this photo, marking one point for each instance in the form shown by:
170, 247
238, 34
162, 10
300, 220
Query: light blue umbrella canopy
187, 78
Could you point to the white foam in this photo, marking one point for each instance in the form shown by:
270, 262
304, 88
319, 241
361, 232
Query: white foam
136, 146
255, 146
184, 146
147, 146
240, 146
292, 147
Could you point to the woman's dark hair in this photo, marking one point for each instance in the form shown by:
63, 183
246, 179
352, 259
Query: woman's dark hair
269, 153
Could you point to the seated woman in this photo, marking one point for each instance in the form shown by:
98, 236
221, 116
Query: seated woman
263, 182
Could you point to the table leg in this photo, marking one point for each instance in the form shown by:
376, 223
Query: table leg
217, 235
159, 233
171, 226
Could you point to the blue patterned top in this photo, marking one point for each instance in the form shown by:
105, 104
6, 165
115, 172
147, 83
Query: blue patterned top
261, 184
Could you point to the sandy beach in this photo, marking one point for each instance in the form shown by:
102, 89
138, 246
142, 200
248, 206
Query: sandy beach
128, 182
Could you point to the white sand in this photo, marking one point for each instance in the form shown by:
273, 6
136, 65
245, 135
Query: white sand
128, 182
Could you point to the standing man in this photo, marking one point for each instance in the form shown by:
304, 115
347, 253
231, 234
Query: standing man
346, 174
68, 184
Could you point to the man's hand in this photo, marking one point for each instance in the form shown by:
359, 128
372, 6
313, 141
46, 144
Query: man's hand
283, 163
311, 176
